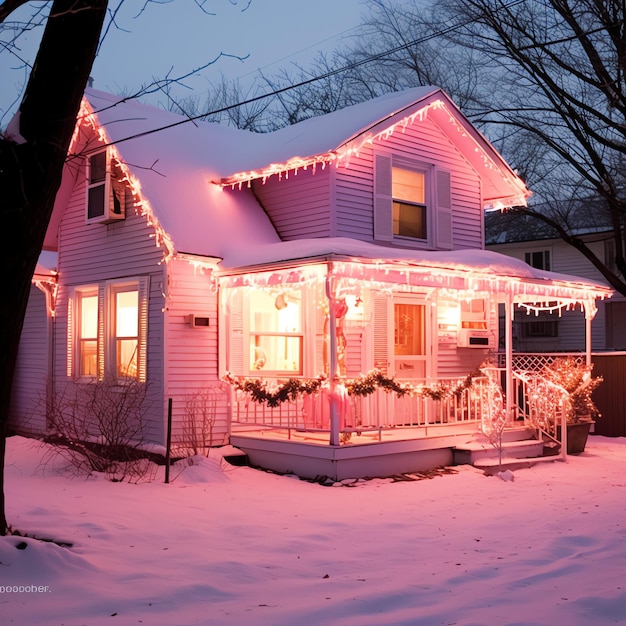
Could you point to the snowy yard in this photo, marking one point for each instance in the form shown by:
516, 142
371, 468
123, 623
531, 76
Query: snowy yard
232, 545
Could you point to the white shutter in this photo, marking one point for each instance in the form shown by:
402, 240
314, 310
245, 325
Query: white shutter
381, 318
142, 341
70, 346
383, 218
235, 335
102, 339
443, 210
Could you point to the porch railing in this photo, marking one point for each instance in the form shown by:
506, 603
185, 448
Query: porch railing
374, 412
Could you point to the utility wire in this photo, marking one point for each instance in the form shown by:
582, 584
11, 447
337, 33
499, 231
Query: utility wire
329, 74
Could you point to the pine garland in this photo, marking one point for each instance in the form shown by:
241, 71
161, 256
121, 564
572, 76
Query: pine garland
259, 391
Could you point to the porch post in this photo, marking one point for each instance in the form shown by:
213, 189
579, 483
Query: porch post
590, 310
509, 308
332, 359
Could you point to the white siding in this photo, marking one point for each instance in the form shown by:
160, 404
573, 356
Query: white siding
426, 144
192, 352
299, 207
27, 412
93, 253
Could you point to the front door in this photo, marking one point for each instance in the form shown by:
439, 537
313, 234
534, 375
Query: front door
409, 338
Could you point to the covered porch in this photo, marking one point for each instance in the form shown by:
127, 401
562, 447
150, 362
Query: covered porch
411, 371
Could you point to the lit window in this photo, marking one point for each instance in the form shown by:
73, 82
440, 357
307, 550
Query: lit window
126, 303
275, 334
108, 337
409, 203
106, 196
87, 306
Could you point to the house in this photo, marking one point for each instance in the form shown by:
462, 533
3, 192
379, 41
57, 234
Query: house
539, 245
316, 268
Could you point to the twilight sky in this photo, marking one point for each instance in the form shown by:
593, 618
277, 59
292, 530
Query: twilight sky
154, 39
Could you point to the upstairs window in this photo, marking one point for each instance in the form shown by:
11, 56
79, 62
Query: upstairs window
106, 197
408, 189
412, 203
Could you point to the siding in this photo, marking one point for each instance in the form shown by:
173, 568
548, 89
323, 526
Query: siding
425, 143
27, 411
192, 356
93, 253
299, 207
571, 324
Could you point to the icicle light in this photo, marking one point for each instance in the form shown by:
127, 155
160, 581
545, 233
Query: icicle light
341, 157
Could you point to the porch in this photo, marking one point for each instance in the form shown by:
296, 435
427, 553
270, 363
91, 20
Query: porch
385, 433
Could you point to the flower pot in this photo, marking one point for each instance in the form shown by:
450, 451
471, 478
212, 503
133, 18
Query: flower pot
577, 434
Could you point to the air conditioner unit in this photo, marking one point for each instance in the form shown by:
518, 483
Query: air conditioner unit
198, 321
473, 338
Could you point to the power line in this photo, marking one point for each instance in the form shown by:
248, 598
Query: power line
325, 75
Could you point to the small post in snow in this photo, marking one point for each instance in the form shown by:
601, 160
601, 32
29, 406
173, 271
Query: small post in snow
168, 443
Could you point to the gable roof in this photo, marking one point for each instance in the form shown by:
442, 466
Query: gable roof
174, 160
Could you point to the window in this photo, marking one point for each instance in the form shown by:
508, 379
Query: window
539, 259
412, 203
540, 329
275, 332
106, 197
87, 304
409, 203
107, 336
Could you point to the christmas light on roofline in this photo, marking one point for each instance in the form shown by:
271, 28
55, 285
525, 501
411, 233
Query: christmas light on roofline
141, 205
341, 157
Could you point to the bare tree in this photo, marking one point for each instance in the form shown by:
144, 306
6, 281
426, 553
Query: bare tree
558, 80
31, 164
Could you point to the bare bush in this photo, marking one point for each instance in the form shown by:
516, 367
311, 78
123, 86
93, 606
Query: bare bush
199, 419
99, 427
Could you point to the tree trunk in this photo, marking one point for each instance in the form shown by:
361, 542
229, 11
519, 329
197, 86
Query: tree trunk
30, 171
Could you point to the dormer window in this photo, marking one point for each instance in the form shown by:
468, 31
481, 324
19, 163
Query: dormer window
106, 197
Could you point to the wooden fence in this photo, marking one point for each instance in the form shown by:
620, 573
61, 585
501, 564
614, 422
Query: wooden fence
610, 396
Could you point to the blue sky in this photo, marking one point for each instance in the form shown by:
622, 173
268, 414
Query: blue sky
155, 39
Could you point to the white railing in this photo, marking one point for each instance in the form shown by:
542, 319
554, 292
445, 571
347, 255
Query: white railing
377, 411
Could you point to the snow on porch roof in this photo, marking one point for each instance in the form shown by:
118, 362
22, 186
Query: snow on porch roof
460, 266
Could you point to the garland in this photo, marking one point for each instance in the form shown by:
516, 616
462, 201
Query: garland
258, 389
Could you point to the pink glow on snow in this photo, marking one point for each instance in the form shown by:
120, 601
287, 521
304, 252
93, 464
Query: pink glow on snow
225, 546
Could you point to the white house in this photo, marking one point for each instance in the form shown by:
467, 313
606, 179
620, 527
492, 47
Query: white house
325, 263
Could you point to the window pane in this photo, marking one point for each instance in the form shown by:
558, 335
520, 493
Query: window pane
89, 358
407, 185
409, 335
276, 353
409, 220
89, 317
97, 167
275, 313
95, 201
126, 313
127, 357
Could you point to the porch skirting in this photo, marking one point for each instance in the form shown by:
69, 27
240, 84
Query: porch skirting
366, 460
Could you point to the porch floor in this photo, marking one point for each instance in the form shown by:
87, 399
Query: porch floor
367, 454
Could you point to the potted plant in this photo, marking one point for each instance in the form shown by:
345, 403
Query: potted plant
575, 377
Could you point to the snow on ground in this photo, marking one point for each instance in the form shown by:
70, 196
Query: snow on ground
234, 545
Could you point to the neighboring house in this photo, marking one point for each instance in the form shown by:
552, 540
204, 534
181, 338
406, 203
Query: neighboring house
347, 243
530, 240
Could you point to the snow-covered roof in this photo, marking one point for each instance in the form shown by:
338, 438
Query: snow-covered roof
175, 166
484, 262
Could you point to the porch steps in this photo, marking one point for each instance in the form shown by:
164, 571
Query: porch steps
517, 443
